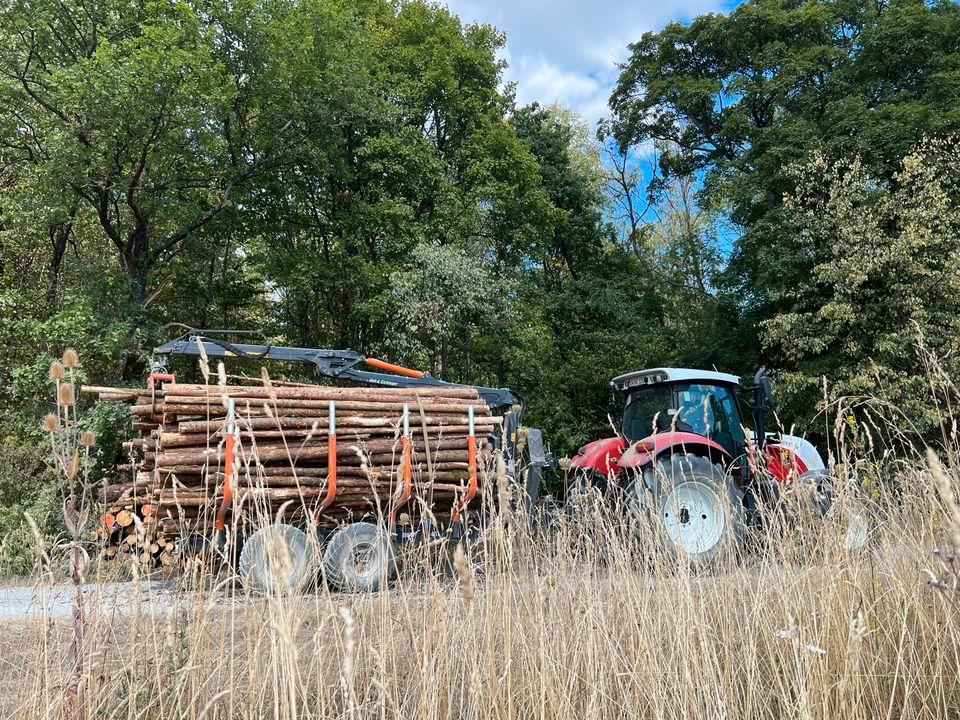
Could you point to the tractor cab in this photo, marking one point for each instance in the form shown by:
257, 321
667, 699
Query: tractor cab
678, 409
699, 402
684, 464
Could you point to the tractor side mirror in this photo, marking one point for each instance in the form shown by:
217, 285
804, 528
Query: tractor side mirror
764, 393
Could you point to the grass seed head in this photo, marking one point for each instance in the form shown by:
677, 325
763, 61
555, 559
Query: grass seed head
463, 573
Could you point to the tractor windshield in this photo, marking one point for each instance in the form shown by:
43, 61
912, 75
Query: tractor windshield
649, 411
708, 410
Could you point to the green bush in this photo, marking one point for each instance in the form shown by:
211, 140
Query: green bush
26, 485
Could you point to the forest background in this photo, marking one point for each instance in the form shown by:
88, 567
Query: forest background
779, 186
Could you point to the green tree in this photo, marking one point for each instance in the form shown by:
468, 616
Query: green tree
588, 309
422, 156
885, 259
739, 98
447, 297
125, 112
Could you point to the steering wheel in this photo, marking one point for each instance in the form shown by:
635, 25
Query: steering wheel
684, 427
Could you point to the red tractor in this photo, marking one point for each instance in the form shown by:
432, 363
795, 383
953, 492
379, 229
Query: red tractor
688, 466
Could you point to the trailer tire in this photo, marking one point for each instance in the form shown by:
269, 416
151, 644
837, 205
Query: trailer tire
695, 510
277, 559
359, 557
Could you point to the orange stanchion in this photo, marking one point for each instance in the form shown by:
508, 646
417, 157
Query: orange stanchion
472, 465
331, 463
231, 438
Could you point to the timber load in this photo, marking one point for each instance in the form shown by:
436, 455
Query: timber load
208, 457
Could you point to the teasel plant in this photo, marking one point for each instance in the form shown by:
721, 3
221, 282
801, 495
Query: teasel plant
70, 447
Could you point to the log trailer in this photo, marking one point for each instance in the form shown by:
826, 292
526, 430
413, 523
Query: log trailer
694, 479
357, 555
347, 366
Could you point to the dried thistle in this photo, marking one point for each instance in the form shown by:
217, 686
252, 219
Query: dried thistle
56, 370
74, 468
88, 439
65, 396
70, 358
51, 422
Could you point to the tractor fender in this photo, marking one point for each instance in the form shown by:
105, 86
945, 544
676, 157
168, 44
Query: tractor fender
645, 451
789, 457
601, 456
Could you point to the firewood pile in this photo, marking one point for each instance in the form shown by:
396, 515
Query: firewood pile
176, 479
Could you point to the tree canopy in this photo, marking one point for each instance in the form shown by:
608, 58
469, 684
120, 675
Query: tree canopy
739, 102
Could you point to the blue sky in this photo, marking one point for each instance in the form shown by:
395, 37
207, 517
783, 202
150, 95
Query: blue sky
566, 50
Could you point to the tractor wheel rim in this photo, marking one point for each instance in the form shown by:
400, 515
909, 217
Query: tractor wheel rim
857, 521
694, 517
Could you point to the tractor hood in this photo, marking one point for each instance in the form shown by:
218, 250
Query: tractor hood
600, 455
646, 450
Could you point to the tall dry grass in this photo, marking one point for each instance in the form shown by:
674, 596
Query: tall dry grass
571, 618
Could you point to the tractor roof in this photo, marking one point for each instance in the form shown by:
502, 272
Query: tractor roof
657, 376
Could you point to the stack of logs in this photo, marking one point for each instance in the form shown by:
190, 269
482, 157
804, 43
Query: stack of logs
176, 481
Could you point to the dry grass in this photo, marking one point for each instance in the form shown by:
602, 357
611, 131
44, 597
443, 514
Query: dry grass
568, 622
575, 618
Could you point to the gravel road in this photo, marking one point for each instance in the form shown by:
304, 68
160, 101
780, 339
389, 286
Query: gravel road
24, 602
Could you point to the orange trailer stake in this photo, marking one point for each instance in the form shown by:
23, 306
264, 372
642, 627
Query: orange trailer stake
331, 463
472, 465
221, 519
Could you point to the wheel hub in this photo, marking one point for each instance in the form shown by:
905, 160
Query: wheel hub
694, 517
362, 558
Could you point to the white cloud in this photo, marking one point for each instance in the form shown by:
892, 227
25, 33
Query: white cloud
566, 50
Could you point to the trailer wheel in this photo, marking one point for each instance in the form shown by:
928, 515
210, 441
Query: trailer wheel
276, 559
695, 509
359, 557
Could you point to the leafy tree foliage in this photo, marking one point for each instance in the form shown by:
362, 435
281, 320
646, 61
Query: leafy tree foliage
885, 258
357, 174
739, 100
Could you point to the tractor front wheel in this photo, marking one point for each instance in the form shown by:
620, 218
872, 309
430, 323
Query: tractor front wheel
695, 510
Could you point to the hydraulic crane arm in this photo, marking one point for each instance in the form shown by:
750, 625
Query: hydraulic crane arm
346, 365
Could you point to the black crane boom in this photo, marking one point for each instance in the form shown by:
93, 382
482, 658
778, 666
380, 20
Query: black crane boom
345, 365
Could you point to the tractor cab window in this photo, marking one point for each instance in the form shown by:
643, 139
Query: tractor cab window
649, 410
712, 411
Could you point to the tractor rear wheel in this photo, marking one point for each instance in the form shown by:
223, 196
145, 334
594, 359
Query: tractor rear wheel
695, 510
